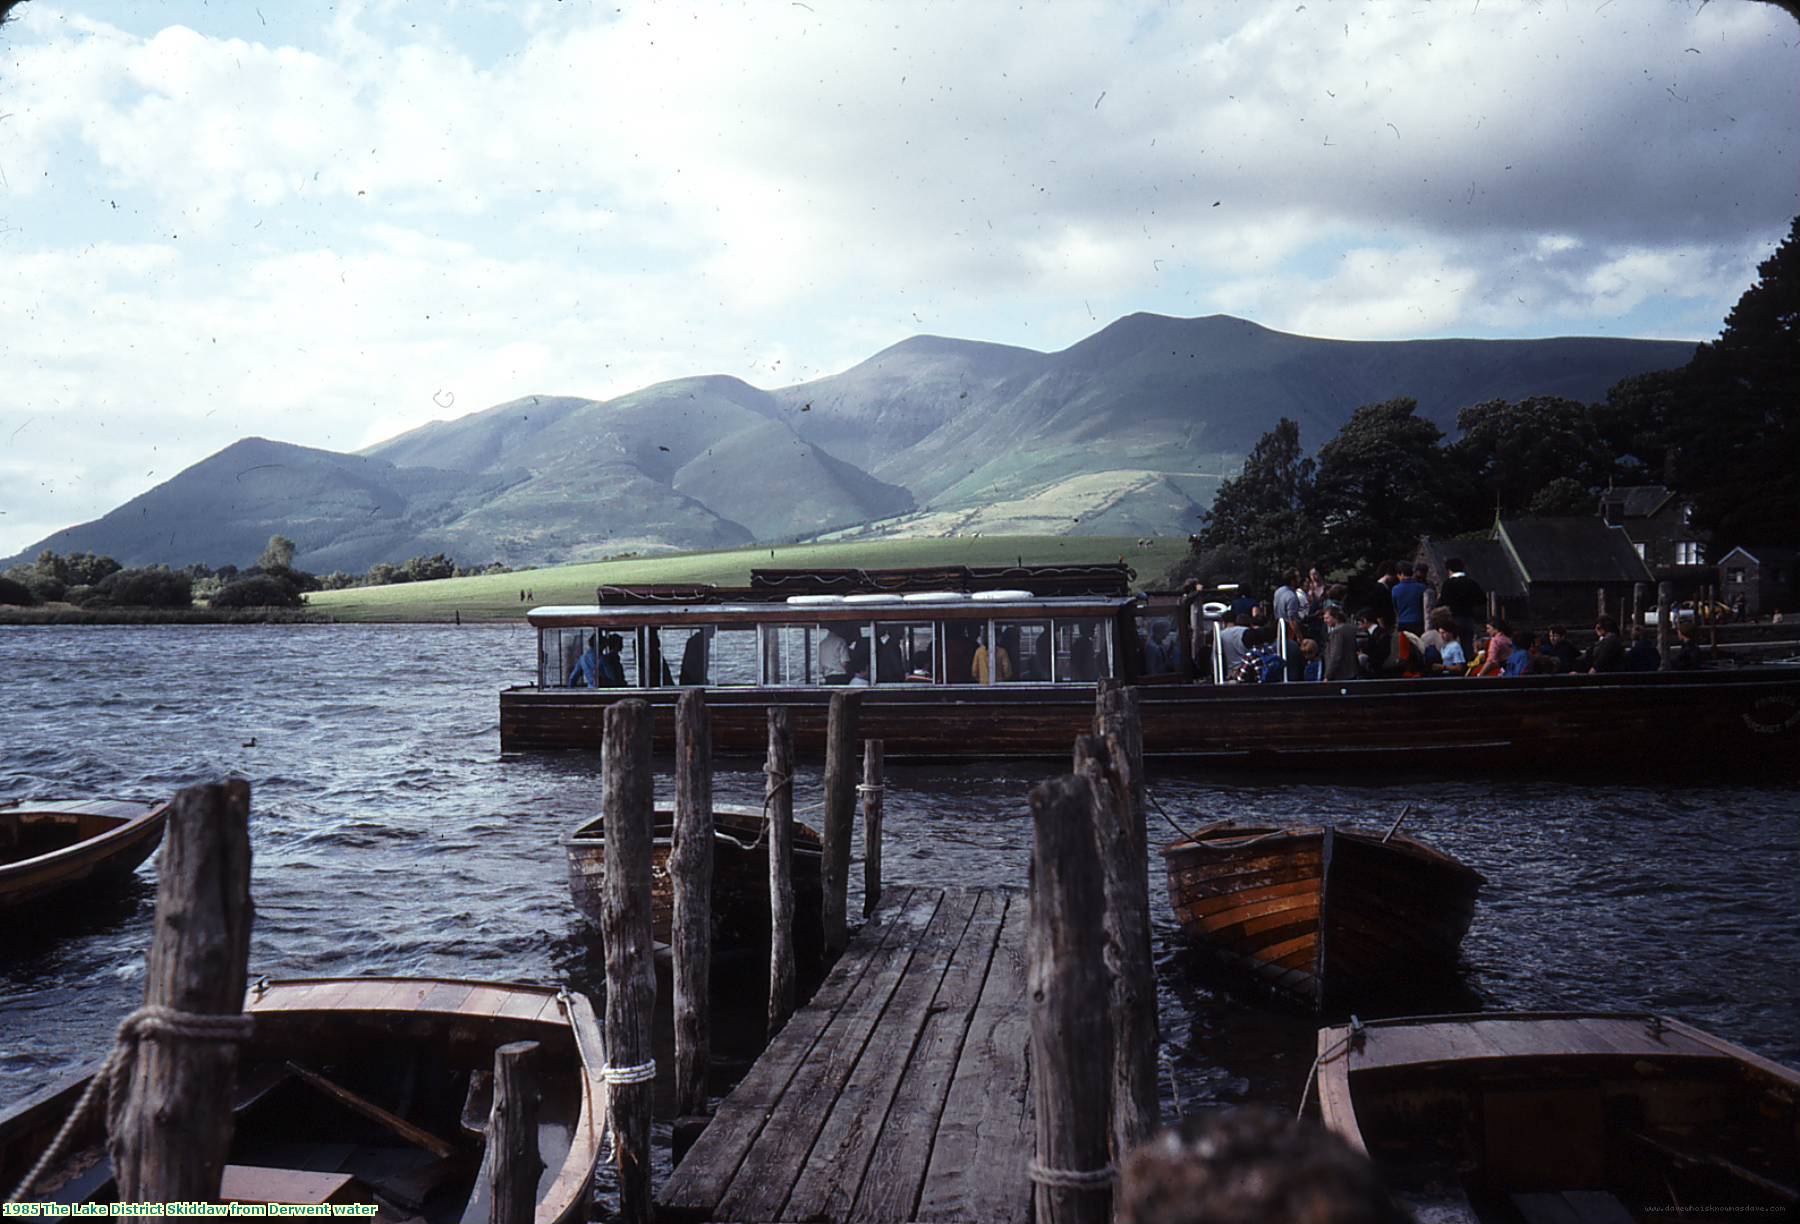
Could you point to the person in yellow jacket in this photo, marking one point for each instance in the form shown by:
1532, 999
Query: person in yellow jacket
979, 669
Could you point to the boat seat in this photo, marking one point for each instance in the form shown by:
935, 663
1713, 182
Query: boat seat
478, 1103
86, 1185
1571, 1207
259, 1184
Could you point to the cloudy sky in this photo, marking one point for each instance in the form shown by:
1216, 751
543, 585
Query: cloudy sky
328, 223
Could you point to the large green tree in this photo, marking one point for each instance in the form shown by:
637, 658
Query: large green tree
1264, 513
1513, 452
1381, 482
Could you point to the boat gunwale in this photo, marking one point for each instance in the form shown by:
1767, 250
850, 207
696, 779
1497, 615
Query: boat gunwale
128, 830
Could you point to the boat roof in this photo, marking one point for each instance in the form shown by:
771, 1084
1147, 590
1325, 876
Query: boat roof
829, 609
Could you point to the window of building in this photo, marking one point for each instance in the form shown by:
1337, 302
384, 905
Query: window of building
1734, 576
1643, 550
1687, 552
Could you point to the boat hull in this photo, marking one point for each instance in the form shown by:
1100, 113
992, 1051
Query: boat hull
740, 893
1738, 723
431, 1039
1563, 1115
1325, 916
81, 843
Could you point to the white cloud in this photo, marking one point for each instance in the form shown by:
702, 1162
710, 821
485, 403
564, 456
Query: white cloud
312, 230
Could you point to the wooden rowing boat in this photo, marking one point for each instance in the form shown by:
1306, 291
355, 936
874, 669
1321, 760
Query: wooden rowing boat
1325, 915
371, 1090
740, 895
49, 846
1564, 1116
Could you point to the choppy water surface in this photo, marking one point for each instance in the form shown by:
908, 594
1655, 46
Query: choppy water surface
389, 837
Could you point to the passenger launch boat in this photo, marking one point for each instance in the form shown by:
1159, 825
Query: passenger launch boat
740, 893
1564, 1117
46, 847
1326, 916
971, 664
360, 1090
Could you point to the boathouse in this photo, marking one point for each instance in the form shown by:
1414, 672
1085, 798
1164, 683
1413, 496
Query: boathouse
1544, 570
1767, 576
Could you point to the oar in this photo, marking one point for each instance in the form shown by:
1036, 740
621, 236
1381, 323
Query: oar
1395, 827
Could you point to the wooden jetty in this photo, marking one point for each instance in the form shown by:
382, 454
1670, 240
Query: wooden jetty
900, 1092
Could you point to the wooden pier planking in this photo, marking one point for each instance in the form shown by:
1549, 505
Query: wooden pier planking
900, 1092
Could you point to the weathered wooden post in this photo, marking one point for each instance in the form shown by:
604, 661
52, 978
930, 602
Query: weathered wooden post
168, 1131
1119, 836
630, 970
840, 818
512, 1134
779, 791
1664, 594
1637, 604
872, 797
691, 873
1116, 712
1066, 973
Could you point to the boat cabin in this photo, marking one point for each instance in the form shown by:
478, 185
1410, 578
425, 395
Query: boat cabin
913, 640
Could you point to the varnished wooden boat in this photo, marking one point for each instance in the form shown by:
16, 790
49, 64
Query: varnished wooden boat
740, 895
1554, 1117
328, 1054
1324, 915
48, 846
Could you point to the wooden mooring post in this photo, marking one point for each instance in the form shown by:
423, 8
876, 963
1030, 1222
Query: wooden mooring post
1121, 838
169, 1130
1664, 598
873, 794
840, 819
628, 797
779, 800
691, 875
512, 1134
1065, 974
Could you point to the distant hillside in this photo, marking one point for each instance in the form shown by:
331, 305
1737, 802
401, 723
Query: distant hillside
1126, 433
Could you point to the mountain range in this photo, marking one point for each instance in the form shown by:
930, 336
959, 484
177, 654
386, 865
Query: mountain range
1127, 432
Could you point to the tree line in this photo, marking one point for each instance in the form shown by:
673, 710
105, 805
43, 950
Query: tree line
87, 580
1723, 430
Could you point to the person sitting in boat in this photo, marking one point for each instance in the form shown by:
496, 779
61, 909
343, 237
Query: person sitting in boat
1559, 648
1523, 660
1608, 654
1686, 655
978, 666
1159, 651
1499, 648
585, 672
610, 668
1643, 655
1378, 643
1450, 649
1082, 658
1312, 667
920, 671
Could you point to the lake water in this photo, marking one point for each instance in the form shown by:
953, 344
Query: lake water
389, 837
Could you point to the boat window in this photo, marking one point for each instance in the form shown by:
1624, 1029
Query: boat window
1026, 647
1158, 645
905, 652
787, 655
588, 657
681, 651
1081, 650
841, 652
732, 660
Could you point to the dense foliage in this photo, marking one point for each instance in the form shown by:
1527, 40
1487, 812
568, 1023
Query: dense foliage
1724, 431
256, 591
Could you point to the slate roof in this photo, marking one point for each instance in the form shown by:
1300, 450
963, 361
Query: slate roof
1638, 501
1585, 550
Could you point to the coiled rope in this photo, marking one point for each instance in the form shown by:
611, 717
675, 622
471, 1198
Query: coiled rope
1072, 1179
151, 1022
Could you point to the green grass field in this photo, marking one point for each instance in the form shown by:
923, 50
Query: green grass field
493, 597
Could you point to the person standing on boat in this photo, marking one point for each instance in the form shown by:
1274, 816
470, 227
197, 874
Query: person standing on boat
1290, 603
1340, 644
693, 658
834, 656
978, 668
1082, 659
610, 668
1464, 597
585, 673
1410, 595
1231, 644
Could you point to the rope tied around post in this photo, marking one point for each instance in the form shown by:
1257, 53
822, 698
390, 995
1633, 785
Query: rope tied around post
1072, 1179
151, 1022
641, 1073
867, 788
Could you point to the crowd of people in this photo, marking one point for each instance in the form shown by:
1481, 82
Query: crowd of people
1404, 625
